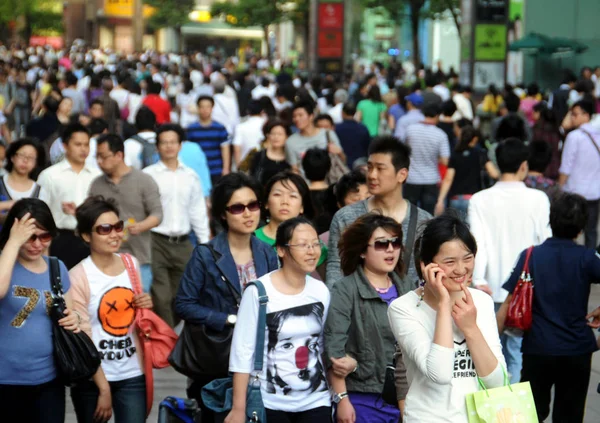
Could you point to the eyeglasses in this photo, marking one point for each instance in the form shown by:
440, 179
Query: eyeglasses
384, 244
43, 237
239, 208
107, 228
26, 158
306, 247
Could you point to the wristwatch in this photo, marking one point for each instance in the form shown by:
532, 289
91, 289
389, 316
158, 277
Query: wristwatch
231, 319
339, 397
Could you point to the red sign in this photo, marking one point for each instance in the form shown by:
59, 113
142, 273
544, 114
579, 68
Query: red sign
54, 42
330, 44
331, 15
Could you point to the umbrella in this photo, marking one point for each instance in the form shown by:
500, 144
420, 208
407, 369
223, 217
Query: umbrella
542, 44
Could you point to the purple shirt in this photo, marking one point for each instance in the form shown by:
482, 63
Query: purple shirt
412, 116
581, 162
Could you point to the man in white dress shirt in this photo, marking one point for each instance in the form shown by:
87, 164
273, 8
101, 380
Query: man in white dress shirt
65, 186
184, 209
249, 133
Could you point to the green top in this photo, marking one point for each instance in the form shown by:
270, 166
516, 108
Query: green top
260, 234
371, 114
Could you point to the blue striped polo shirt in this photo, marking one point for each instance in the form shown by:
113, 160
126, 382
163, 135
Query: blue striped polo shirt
210, 138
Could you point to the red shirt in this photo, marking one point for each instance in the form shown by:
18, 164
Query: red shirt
160, 107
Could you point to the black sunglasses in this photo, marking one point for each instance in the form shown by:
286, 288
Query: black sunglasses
107, 228
239, 208
384, 244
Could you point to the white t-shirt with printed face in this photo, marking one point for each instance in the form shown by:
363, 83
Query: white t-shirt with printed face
111, 316
293, 377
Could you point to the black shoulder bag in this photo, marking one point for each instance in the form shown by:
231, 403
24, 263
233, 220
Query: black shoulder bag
200, 350
75, 355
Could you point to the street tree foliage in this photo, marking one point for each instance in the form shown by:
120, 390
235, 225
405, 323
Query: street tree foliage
170, 14
245, 13
32, 16
416, 10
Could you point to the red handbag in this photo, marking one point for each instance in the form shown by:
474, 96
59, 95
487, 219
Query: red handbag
519, 314
158, 339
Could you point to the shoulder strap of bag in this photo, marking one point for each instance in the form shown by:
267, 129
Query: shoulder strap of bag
132, 272
36, 191
55, 277
410, 236
526, 265
230, 286
261, 325
592, 140
3, 189
327, 137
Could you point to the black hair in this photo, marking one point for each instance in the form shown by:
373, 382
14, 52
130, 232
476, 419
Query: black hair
207, 98
467, 135
170, 127
586, 106
224, 189
540, 155
388, 144
546, 113
287, 177
511, 126
437, 231
38, 210
493, 90
568, 215
431, 110
267, 106
154, 88
70, 78
115, 143
316, 164
71, 129
285, 231
91, 209
349, 109
510, 154
97, 126
448, 108
15, 146
306, 105
324, 116
374, 94
348, 183
51, 104
533, 89
431, 81
254, 108
512, 102
145, 119
272, 123
97, 101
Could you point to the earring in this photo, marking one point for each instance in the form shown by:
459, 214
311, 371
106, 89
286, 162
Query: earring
362, 256
422, 283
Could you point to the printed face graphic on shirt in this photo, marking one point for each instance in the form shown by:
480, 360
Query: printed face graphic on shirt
116, 312
294, 356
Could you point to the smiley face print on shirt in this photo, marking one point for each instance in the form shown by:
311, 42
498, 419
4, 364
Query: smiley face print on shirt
116, 312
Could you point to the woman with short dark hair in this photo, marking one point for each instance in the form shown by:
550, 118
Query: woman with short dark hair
217, 273
447, 332
560, 337
359, 342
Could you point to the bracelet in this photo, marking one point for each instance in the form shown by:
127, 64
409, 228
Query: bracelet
355, 369
78, 317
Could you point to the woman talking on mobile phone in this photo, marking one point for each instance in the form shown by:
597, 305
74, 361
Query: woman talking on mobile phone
447, 332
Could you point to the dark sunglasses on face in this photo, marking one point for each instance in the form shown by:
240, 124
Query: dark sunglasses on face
43, 237
384, 244
239, 208
107, 228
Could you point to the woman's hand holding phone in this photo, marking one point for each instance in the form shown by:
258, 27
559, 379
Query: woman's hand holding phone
433, 275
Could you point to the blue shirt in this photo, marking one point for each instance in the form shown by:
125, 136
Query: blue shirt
210, 139
193, 157
26, 349
354, 139
562, 272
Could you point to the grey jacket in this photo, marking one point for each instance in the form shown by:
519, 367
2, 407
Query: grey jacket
357, 325
347, 216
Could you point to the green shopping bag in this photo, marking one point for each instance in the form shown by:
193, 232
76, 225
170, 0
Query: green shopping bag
507, 404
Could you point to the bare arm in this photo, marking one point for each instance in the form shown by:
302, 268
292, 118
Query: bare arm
226, 154
444, 189
492, 170
562, 179
237, 155
444, 161
502, 312
240, 388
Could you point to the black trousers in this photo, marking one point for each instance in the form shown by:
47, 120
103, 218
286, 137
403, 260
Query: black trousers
69, 248
315, 415
424, 196
570, 376
591, 228
43, 403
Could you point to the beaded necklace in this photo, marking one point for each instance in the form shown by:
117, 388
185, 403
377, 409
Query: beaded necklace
422, 287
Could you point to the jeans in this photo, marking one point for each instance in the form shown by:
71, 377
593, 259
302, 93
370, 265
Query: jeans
424, 196
128, 400
461, 205
591, 228
146, 272
43, 403
511, 349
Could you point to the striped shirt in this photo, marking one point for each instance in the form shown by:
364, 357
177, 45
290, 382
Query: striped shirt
210, 139
428, 144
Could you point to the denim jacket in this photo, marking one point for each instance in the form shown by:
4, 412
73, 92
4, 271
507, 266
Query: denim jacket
203, 296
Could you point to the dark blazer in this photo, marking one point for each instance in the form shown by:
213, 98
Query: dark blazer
203, 297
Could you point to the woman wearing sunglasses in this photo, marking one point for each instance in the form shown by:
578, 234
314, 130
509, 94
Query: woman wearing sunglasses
214, 279
103, 295
359, 343
28, 376
293, 381
447, 332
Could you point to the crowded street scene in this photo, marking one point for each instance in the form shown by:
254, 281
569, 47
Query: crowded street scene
288, 214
